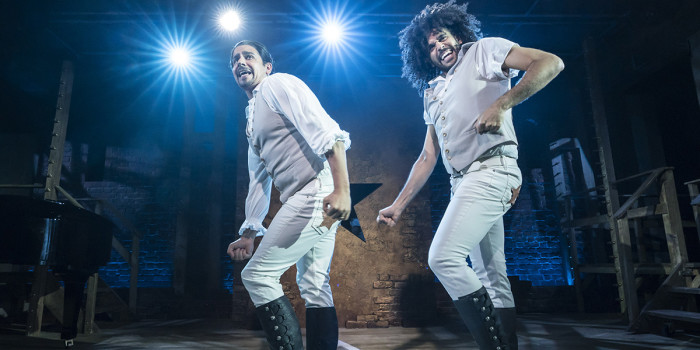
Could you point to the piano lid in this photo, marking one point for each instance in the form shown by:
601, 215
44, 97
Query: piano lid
40, 232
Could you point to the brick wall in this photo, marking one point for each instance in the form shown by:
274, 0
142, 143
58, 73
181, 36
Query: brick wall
383, 282
140, 184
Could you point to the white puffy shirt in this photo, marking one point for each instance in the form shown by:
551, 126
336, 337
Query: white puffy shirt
288, 133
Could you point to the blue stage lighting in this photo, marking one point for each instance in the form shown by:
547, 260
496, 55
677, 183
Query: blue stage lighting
171, 56
332, 33
179, 57
230, 20
334, 25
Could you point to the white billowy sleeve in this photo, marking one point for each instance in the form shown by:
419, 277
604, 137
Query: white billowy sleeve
490, 55
257, 202
288, 95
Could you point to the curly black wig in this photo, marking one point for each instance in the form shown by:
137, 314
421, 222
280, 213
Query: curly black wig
417, 67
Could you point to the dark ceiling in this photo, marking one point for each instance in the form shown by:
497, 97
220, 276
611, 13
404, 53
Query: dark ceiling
112, 33
114, 44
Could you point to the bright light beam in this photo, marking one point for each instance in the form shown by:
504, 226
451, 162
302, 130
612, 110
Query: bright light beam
171, 58
332, 33
229, 20
180, 57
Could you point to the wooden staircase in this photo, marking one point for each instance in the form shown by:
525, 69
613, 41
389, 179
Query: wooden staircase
633, 230
674, 305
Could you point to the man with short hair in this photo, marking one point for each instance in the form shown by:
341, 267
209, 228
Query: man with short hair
465, 82
296, 146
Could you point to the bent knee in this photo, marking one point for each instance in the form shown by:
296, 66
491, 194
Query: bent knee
437, 263
247, 277
441, 264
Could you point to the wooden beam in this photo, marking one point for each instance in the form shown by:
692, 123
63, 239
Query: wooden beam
695, 192
37, 299
624, 272
673, 226
635, 196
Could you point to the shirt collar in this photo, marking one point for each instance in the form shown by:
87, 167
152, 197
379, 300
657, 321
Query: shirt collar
257, 88
462, 51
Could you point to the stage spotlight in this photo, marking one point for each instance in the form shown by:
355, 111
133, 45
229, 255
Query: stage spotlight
332, 33
179, 57
229, 20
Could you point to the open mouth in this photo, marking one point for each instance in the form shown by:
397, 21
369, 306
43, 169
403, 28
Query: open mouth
242, 72
445, 54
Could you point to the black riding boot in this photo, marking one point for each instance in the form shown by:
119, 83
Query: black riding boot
508, 326
481, 319
321, 328
280, 324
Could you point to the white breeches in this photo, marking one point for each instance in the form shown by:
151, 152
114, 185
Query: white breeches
296, 236
473, 226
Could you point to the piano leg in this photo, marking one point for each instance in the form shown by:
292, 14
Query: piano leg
74, 283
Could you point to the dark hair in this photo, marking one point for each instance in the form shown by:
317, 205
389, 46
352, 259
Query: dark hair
417, 67
262, 50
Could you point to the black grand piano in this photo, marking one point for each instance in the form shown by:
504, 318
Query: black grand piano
71, 242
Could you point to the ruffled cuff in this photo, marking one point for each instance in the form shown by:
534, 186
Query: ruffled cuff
254, 226
335, 137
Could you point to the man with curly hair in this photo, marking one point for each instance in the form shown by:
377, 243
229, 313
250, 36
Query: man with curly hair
465, 83
295, 145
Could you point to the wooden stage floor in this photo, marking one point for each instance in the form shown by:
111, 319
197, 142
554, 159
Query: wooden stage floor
536, 332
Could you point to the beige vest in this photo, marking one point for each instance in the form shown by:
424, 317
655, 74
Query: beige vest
288, 159
453, 106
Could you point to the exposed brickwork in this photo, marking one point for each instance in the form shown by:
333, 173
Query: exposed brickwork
393, 300
381, 283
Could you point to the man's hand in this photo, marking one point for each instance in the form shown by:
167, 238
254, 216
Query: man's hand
490, 121
337, 205
515, 192
389, 216
241, 249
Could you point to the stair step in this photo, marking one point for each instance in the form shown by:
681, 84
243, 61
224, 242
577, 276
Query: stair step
685, 290
686, 316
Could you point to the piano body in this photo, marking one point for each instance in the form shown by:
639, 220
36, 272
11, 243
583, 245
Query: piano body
69, 241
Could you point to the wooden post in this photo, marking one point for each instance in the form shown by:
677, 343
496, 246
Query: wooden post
695, 60
675, 237
90, 303
58, 136
53, 178
694, 193
624, 270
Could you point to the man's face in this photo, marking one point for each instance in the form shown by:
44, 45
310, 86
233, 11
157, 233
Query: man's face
443, 48
248, 68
